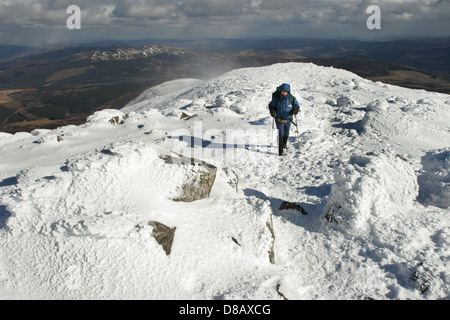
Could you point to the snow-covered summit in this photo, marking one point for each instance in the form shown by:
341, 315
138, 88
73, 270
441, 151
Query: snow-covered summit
372, 174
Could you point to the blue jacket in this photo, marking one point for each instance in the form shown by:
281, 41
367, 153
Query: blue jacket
284, 106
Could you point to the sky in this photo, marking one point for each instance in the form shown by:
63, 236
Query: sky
41, 22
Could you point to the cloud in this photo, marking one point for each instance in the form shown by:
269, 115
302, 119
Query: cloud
131, 12
48, 13
227, 17
151, 10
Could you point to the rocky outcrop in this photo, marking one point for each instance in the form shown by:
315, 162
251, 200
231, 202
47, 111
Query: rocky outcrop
199, 179
292, 206
163, 234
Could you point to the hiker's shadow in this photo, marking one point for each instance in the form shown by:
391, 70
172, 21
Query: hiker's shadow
192, 142
305, 215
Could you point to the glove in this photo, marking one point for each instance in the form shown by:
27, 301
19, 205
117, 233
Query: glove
273, 113
294, 111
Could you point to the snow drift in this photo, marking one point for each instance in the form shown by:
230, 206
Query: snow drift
368, 187
435, 179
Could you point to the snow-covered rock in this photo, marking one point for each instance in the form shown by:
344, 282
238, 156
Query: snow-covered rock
381, 105
435, 179
198, 181
105, 117
369, 187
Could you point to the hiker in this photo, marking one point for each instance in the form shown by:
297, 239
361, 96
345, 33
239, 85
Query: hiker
282, 108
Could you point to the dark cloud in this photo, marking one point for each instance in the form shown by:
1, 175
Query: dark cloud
232, 18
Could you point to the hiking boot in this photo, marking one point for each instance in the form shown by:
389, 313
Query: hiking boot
285, 140
280, 145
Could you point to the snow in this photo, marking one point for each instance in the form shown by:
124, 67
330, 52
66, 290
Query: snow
372, 174
369, 188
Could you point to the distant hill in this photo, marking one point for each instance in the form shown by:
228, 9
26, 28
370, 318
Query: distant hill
64, 86
7, 52
429, 55
52, 87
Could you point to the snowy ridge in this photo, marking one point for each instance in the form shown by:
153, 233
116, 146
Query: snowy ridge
130, 53
372, 175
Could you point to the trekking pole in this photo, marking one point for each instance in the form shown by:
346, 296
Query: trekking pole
290, 119
298, 134
271, 133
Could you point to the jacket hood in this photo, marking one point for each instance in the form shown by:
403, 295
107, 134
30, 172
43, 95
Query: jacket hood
285, 87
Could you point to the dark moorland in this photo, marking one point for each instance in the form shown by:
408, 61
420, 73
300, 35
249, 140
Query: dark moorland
52, 87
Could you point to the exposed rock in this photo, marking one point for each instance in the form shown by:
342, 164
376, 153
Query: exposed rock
185, 116
235, 241
294, 206
117, 119
271, 251
280, 293
163, 234
423, 275
114, 120
199, 180
233, 179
